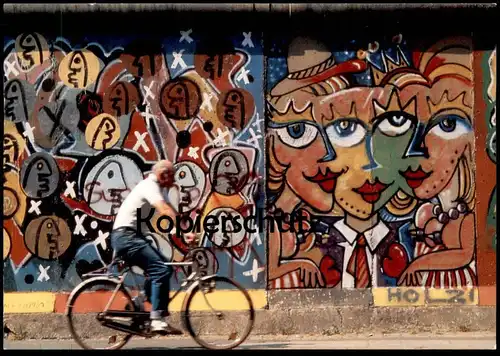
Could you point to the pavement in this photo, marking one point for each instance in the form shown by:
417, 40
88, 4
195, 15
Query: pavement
456, 341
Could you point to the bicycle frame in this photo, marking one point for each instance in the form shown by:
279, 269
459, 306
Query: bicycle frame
139, 317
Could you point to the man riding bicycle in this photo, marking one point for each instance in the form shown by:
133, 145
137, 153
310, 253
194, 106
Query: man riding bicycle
131, 245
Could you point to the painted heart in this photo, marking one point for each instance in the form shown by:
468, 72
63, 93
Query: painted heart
83, 267
330, 273
396, 261
373, 47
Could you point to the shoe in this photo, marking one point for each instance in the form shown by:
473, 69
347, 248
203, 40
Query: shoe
162, 327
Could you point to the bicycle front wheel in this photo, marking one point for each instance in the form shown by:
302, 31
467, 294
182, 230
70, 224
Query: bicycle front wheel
87, 303
218, 313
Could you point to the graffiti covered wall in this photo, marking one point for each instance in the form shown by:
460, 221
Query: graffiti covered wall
374, 142
85, 122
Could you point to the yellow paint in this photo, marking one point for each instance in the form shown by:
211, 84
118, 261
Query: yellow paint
397, 297
30, 302
222, 300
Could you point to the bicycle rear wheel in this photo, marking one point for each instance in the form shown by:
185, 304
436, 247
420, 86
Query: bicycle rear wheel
84, 306
218, 313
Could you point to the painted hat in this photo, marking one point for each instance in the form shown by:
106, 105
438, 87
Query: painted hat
309, 62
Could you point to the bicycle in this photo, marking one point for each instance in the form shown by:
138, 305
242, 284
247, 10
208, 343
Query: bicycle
135, 320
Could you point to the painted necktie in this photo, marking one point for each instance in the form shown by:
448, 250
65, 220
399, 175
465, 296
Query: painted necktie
358, 264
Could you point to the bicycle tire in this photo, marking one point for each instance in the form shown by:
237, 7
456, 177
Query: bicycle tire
185, 315
77, 292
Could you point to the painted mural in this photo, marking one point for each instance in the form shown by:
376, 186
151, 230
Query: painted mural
85, 121
490, 68
374, 145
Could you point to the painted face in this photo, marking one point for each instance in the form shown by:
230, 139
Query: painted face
105, 193
447, 135
234, 109
119, 99
395, 149
180, 99
326, 158
30, 50
229, 172
47, 237
16, 109
78, 70
103, 136
189, 186
40, 176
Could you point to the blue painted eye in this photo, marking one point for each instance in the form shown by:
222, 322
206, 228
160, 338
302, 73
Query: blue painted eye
451, 127
298, 134
296, 130
346, 133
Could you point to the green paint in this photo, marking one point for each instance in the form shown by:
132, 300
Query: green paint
388, 152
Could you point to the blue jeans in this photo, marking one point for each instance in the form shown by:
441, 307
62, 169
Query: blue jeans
133, 248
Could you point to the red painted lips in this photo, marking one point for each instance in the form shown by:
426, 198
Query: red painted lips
370, 192
326, 181
415, 178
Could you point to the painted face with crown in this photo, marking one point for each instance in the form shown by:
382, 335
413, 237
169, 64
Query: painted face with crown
427, 151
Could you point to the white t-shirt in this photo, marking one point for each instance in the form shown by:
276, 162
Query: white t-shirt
142, 197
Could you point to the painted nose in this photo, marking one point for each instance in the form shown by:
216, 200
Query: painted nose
372, 164
417, 146
330, 154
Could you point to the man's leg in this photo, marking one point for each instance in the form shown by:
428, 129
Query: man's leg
153, 263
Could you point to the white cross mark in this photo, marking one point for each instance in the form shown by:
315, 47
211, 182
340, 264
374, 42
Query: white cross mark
148, 93
10, 67
101, 239
28, 131
185, 36
79, 229
220, 140
43, 276
207, 103
70, 189
254, 272
257, 123
140, 142
34, 207
178, 60
148, 116
248, 39
254, 140
193, 152
243, 75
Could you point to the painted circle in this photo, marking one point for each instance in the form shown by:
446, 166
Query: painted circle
120, 99
204, 260
229, 172
108, 183
79, 69
6, 244
31, 50
39, 176
180, 99
93, 224
102, 132
10, 203
227, 238
236, 108
47, 237
189, 186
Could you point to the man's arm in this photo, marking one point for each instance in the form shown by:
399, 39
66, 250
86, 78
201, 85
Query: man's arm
165, 209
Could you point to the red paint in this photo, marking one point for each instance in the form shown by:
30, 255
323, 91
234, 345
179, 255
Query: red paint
396, 261
415, 178
137, 123
370, 192
18, 250
326, 181
331, 274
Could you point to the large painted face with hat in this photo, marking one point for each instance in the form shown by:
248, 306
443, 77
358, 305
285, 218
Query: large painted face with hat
301, 138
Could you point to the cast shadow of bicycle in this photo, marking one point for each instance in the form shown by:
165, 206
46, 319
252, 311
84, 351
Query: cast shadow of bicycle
253, 346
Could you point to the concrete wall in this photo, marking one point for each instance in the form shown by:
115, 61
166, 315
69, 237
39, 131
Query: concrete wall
387, 132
